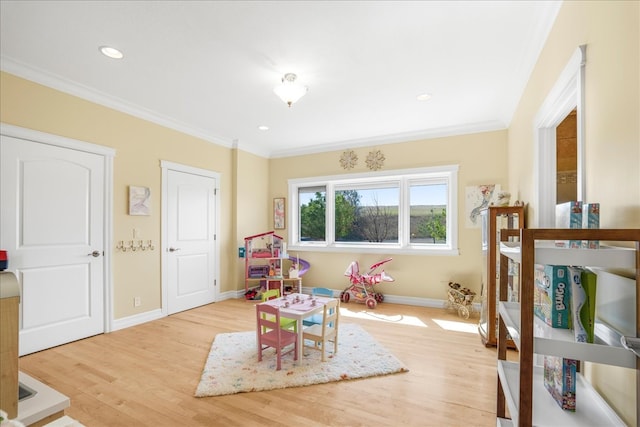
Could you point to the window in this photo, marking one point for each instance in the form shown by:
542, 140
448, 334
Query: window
400, 211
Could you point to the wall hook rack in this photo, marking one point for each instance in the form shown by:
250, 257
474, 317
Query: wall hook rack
134, 246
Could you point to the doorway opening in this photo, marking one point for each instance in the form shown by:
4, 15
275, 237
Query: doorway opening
566, 97
567, 159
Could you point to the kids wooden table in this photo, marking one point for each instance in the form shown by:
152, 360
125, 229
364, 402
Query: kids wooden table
300, 306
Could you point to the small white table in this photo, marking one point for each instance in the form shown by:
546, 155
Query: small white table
299, 311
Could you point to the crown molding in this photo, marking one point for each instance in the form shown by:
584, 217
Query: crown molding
56, 82
442, 132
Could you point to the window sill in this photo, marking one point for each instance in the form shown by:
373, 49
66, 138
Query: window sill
392, 249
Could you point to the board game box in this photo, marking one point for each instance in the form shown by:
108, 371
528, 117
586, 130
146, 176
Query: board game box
552, 296
583, 302
591, 219
569, 215
560, 380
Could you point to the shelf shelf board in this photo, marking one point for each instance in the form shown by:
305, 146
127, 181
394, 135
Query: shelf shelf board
504, 422
561, 342
510, 313
548, 253
591, 409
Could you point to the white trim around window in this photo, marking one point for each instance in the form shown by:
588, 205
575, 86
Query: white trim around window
403, 179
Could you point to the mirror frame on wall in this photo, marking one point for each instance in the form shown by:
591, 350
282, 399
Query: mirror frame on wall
566, 94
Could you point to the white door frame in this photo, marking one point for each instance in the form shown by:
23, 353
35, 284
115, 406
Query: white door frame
166, 167
108, 154
566, 94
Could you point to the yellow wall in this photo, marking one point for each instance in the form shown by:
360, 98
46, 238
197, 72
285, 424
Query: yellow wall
481, 159
140, 146
253, 204
610, 29
612, 134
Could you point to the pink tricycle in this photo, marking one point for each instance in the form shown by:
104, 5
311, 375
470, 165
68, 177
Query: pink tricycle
361, 288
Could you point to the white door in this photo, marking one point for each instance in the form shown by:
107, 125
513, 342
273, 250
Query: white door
190, 242
52, 227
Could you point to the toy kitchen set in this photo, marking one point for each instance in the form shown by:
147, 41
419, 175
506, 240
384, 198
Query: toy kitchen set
22, 397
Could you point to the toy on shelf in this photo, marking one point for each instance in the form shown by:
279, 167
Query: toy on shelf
460, 299
361, 287
299, 265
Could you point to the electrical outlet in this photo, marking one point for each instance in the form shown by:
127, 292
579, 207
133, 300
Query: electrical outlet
137, 302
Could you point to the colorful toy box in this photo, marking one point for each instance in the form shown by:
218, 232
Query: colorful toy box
560, 380
583, 302
552, 296
569, 215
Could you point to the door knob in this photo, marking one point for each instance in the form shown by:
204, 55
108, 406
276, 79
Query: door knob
94, 254
173, 249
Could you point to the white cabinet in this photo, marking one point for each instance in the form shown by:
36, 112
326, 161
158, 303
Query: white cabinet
520, 385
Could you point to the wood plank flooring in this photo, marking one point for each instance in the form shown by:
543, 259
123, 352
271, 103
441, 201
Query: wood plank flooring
147, 375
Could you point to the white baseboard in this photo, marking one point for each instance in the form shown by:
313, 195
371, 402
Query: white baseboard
395, 299
136, 319
230, 295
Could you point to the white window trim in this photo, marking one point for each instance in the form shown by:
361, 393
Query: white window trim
405, 177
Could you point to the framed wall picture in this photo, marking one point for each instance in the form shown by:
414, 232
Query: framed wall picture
139, 200
479, 197
279, 213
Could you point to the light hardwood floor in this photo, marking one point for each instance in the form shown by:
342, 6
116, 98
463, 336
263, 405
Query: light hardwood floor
146, 375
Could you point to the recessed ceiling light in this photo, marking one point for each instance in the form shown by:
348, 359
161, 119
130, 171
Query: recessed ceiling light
423, 97
111, 52
263, 127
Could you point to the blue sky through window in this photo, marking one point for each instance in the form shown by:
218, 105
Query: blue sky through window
420, 194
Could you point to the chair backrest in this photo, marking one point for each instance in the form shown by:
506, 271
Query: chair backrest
267, 322
331, 314
270, 294
325, 292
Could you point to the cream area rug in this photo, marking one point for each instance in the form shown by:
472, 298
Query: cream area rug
232, 365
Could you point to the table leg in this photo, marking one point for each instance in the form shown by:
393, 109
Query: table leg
300, 340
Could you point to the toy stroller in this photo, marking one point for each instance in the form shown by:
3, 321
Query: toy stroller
361, 288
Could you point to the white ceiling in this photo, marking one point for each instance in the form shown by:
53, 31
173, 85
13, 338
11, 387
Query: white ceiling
208, 68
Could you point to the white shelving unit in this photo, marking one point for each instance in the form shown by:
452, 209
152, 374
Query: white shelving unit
521, 387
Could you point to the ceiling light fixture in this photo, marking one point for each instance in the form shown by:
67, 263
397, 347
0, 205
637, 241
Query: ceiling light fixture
423, 97
290, 91
263, 127
111, 52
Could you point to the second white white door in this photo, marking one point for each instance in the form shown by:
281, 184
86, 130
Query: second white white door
190, 228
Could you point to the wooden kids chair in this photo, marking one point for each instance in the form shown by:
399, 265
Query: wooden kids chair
325, 332
285, 322
316, 319
270, 334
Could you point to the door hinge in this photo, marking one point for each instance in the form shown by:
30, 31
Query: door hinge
215, 191
215, 283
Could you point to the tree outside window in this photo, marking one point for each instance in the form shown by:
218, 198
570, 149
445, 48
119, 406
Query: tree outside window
405, 212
